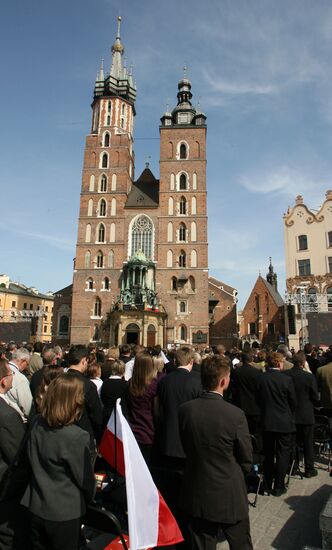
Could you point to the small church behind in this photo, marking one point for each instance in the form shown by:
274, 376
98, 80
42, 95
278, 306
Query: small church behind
141, 266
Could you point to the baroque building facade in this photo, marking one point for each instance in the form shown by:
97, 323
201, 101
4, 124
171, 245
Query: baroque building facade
308, 258
141, 266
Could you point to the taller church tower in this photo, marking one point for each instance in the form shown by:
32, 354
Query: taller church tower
108, 168
141, 267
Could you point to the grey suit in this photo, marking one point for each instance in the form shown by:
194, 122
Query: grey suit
62, 476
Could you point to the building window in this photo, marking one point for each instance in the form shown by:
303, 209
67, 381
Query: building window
252, 329
183, 151
329, 239
101, 233
87, 259
270, 329
100, 259
106, 283
174, 283
182, 259
14, 304
31, 307
45, 328
183, 307
142, 237
97, 308
182, 233
64, 325
183, 182
183, 206
329, 298
89, 284
102, 208
104, 160
103, 184
312, 294
330, 264
183, 333
304, 267
107, 140
25, 306
303, 242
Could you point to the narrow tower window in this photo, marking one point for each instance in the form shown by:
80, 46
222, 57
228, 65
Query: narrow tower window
97, 308
182, 233
100, 259
104, 160
103, 184
183, 206
183, 182
183, 151
102, 208
101, 233
182, 259
107, 140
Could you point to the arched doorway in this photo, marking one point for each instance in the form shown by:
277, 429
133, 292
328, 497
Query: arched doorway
132, 334
151, 336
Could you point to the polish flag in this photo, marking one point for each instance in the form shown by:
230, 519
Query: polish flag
151, 522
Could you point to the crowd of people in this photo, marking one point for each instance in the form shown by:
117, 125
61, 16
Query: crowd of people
197, 416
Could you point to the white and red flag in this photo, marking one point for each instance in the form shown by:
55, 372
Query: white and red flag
151, 522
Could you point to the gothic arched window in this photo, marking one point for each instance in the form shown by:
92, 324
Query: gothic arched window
183, 206
107, 140
183, 151
183, 333
183, 182
182, 233
103, 184
102, 208
100, 259
87, 259
142, 236
64, 325
182, 259
106, 283
104, 160
174, 285
97, 308
101, 233
89, 284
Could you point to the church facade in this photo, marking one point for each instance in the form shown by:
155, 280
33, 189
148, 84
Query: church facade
141, 266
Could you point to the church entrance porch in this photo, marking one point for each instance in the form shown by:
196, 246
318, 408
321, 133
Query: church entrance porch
132, 334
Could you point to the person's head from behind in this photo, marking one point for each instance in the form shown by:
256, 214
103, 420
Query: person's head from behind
143, 373
118, 368
93, 371
113, 353
49, 356
215, 373
275, 360
220, 350
299, 359
158, 363
21, 358
63, 401
125, 350
6, 376
308, 349
38, 347
185, 357
247, 357
50, 372
283, 349
78, 357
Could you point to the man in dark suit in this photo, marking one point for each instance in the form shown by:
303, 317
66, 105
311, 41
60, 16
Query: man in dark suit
277, 401
244, 381
92, 417
307, 398
173, 390
217, 444
12, 429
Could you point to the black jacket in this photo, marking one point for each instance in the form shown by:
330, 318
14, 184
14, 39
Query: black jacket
245, 380
217, 443
306, 395
173, 390
277, 401
92, 417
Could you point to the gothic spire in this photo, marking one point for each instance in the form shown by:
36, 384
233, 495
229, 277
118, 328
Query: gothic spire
271, 277
117, 53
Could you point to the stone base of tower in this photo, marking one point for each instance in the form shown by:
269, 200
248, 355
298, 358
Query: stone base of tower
144, 327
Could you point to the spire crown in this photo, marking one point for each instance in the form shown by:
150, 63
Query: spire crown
271, 277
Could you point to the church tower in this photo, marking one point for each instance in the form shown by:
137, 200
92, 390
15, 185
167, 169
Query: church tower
108, 169
182, 275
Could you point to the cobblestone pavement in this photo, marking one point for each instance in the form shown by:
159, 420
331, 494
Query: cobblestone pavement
290, 522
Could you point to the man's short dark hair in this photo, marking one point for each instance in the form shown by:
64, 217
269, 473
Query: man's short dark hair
212, 370
3, 368
125, 349
184, 355
307, 349
38, 347
76, 354
298, 359
247, 357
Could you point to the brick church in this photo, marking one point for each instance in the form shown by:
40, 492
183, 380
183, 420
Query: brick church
141, 266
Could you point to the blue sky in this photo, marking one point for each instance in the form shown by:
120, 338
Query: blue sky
261, 72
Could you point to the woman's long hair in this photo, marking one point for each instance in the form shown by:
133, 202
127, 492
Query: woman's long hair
63, 401
143, 374
50, 373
